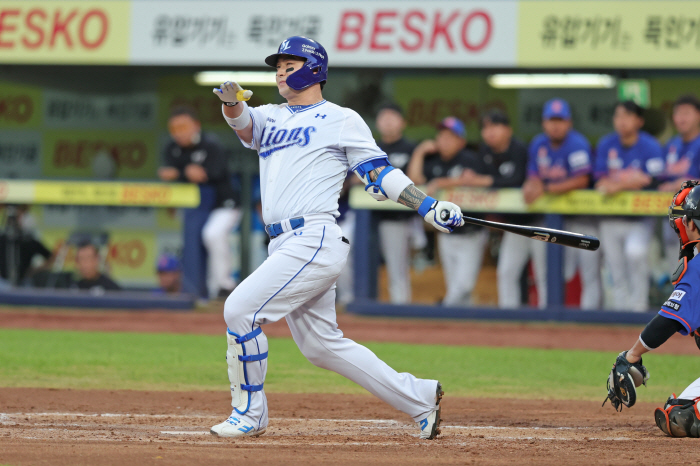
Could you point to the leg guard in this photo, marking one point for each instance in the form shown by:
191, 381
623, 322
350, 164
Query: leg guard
678, 418
237, 358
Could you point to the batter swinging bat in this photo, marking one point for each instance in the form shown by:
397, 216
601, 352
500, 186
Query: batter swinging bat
548, 235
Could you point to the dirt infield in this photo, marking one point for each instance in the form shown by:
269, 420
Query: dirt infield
67, 427
446, 332
92, 427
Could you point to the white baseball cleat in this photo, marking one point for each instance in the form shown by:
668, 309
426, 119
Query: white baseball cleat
430, 426
235, 427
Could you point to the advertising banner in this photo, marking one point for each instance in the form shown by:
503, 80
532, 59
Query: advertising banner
80, 110
639, 34
361, 33
64, 31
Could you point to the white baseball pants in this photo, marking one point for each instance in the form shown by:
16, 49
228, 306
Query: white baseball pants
345, 290
297, 281
461, 256
395, 239
215, 235
515, 251
586, 262
625, 245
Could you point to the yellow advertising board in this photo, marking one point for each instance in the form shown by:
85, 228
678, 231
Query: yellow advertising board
580, 202
618, 33
20, 105
90, 32
99, 193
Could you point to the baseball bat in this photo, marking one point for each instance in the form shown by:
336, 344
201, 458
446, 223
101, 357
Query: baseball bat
548, 235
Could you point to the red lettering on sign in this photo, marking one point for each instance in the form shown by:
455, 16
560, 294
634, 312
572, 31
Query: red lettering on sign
378, 29
7, 27
409, 26
351, 24
61, 27
131, 253
104, 25
35, 28
487, 34
440, 29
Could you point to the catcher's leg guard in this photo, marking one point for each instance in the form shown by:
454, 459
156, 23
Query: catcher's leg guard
678, 418
236, 358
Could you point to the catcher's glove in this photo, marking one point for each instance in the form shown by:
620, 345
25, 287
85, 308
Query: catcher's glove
623, 380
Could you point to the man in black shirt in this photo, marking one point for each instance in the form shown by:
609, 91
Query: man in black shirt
505, 158
87, 259
197, 157
441, 163
398, 230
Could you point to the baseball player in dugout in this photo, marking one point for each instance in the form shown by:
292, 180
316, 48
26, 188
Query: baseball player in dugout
441, 163
505, 159
559, 162
305, 148
628, 159
198, 157
679, 416
398, 232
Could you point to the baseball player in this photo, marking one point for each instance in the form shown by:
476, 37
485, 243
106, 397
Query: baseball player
560, 161
679, 416
305, 148
628, 159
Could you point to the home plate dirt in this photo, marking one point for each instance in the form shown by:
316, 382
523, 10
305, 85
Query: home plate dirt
94, 427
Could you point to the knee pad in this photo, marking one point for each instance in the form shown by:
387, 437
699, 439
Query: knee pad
236, 359
678, 418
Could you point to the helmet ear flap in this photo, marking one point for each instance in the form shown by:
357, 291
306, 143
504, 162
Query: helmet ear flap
681, 230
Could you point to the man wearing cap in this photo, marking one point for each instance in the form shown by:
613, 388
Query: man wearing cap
628, 159
399, 232
440, 164
559, 162
505, 161
169, 272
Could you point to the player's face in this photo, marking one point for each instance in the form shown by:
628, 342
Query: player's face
626, 123
169, 281
390, 123
286, 65
88, 262
183, 129
448, 143
556, 129
496, 135
686, 118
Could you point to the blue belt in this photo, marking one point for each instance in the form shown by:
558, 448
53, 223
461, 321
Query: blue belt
276, 229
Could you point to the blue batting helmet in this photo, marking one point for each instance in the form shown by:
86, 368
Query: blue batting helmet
315, 70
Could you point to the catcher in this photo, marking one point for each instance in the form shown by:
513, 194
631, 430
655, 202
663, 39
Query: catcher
679, 417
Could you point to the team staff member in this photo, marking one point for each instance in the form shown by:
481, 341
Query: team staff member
197, 157
398, 231
627, 160
505, 161
680, 313
559, 162
87, 261
440, 164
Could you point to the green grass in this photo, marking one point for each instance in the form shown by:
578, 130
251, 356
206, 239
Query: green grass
139, 361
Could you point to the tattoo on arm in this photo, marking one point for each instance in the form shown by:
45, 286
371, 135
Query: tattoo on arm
412, 197
375, 173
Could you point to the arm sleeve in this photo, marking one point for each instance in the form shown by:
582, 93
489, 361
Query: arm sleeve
680, 306
258, 116
356, 141
658, 331
516, 178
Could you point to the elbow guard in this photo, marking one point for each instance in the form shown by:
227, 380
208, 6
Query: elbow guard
658, 331
389, 184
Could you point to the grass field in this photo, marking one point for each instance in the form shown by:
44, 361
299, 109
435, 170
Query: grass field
100, 360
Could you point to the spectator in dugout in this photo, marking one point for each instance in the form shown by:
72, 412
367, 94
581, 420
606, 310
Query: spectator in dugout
439, 164
628, 160
169, 272
87, 261
197, 157
400, 232
560, 161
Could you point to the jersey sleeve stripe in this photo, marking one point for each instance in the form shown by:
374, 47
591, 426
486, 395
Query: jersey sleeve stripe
677, 317
369, 160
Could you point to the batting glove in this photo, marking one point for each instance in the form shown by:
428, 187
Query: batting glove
231, 93
444, 216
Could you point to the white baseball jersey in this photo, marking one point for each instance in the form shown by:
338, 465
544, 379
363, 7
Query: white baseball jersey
305, 153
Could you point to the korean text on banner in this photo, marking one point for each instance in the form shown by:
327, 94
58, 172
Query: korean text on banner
650, 34
360, 33
67, 32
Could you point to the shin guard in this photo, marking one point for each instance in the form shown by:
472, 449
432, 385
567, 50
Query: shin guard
678, 418
236, 359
